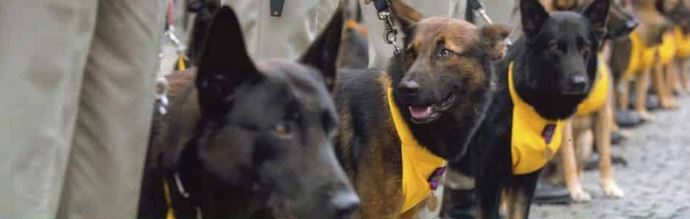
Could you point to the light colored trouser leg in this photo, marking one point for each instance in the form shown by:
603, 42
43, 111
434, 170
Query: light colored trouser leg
43, 48
287, 36
105, 165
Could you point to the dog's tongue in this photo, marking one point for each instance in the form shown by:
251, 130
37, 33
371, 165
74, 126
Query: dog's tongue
420, 112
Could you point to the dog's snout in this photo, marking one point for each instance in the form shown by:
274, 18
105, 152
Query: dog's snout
409, 87
576, 84
345, 203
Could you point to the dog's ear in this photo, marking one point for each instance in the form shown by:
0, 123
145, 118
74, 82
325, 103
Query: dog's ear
323, 53
533, 17
224, 64
493, 40
406, 16
597, 13
665, 6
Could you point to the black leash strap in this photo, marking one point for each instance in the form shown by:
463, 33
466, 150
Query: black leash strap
277, 8
476, 8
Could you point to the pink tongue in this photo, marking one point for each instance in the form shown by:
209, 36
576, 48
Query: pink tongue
420, 112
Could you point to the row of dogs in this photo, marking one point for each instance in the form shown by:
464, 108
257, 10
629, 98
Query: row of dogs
326, 137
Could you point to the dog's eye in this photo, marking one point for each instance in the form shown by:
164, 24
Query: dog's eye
282, 128
443, 52
553, 46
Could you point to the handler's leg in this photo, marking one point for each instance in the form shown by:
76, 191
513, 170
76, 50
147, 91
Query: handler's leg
43, 48
105, 165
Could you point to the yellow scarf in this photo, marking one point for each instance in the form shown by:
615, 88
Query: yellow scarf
170, 213
418, 163
641, 56
597, 97
534, 139
683, 43
667, 49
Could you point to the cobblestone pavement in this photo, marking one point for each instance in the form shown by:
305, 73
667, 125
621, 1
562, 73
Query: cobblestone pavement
656, 181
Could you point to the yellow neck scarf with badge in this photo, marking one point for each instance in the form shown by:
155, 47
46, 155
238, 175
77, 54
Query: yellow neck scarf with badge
419, 165
600, 91
534, 139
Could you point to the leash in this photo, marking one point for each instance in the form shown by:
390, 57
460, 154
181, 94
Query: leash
170, 212
477, 7
383, 12
181, 64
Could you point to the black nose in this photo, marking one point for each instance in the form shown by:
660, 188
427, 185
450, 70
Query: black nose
408, 87
345, 203
576, 84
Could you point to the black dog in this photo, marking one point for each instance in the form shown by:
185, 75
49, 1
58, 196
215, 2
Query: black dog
544, 77
249, 139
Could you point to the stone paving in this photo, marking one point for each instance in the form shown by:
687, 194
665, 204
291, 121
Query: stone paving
656, 181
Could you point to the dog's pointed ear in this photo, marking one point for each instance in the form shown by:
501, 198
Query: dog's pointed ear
405, 15
597, 13
493, 40
323, 53
533, 17
224, 64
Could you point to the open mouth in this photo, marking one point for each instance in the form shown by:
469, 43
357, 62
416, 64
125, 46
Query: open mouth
429, 113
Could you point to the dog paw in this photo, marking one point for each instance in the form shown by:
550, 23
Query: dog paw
646, 116
668, 103
580, 196
611, 190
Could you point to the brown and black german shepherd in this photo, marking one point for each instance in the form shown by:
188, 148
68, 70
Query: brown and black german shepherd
438, 88
245, 139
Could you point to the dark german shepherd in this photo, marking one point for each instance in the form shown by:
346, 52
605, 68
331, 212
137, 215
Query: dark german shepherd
554, 64
249, 139
441, 83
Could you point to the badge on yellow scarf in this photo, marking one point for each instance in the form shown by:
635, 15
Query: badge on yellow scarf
422, 170
534, 139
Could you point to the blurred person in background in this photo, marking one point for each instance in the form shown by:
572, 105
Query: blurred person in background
76, 94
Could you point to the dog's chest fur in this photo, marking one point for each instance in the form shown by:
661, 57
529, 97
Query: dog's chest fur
368, 145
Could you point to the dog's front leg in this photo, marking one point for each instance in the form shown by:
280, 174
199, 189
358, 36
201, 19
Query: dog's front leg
569, 164
602, 136
520, 195
641, 88
489, 194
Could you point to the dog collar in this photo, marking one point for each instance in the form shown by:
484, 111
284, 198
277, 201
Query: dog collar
422, 170
534, 139
597, 97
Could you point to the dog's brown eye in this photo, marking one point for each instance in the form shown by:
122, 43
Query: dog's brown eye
282, 129
445, 52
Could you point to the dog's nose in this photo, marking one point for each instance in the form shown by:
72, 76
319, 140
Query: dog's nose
345, 203
576, 84
409, 87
